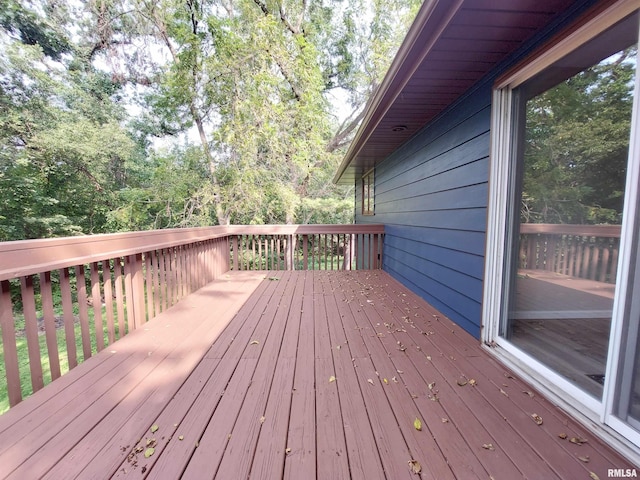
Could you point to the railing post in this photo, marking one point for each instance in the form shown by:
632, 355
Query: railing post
9, 344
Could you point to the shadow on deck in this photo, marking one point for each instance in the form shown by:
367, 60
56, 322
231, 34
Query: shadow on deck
296, 375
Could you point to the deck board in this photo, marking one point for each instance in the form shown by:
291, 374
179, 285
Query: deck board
237, 377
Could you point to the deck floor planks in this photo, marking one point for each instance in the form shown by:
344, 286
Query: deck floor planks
152, 387
390, 441
349, 428
440, 376
332, 456
410, 402
200, 394
272, 446
301, 438
543, 440
362, 449
238, 456
211, 444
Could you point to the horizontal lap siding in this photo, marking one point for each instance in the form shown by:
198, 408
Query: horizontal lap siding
431, 194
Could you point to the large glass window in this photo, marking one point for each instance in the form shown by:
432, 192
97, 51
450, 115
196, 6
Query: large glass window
562, 273
573, 129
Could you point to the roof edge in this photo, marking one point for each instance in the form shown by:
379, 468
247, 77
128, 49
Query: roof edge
433, 13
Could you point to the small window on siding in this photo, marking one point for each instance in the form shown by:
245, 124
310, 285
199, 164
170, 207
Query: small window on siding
368, 194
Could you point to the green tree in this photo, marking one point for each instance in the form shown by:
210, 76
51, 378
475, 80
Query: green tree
577, 146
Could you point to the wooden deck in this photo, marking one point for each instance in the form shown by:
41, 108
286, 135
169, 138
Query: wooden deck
296, 375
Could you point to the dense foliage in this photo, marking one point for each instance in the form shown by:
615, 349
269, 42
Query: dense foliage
577, 144
137, 114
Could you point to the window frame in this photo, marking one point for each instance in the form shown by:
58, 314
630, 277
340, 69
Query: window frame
368, 193
499, 237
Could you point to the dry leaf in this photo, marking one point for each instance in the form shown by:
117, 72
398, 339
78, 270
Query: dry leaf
415, 466
563, 436
445, 420
578, 440
529, 393
181, 437
262, 419
472, 382
332, 379
462, 382
254, 342
488, 446
154, 429
428, 357
385, 381
370, 381
148, 452
287, 451
417, 424
394, 379
504, 393
536, 418
431, 385
594, 476
584, 459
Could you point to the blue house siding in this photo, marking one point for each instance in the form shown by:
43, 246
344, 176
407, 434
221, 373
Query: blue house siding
431, 194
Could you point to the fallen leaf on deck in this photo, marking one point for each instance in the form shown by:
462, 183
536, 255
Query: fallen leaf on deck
417, 424
287, 451
181, 437
445, 420
385, 381
332, 379
415, 466
504, 393
394, 379
529, 393
273, 278
578, 440
254, 342
370, 381
148, 452
584, 459
462, 382
536, 418
472, 382
563, 436
594, 476
488, 446
431, 385
262, 419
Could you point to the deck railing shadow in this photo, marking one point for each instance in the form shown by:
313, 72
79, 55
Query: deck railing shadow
63, 300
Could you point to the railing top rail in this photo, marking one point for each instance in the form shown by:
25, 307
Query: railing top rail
27, 257
612, 231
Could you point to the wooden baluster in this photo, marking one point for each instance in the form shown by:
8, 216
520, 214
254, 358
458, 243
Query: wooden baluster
83, 312
31, 331
119, 280
96, 301
10, 351
108, 300
305, 252
69, 321
50, 324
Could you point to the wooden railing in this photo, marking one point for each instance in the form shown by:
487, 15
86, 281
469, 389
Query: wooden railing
583, 251
63, 300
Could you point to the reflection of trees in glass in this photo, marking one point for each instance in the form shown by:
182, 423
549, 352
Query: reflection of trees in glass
577, 139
